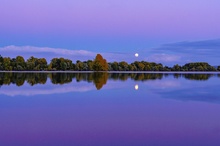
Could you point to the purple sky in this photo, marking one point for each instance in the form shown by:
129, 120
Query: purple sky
124, 26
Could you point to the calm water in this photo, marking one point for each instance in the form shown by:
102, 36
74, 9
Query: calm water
109, 109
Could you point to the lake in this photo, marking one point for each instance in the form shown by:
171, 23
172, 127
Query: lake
101, 109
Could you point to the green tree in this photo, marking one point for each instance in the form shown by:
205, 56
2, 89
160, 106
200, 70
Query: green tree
1, 58
114, 66
79, 65
132, 67
140, 66
41, 64
89, 64
198, 66
55, 64
123, 66
7, 64
1, 62
20, 63
176, 68
30, 63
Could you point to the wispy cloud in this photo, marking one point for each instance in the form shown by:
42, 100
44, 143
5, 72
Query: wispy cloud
167, 58
49, 53
184, 52
167, 54
31, 49
198, 47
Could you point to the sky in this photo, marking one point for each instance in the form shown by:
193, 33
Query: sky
169, 32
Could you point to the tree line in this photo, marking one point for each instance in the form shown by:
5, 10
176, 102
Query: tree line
99, 79
98, 64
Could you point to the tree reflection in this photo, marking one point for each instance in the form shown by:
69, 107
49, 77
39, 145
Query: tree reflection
99, 79
201, 77
35, 78
19, 79
61, 78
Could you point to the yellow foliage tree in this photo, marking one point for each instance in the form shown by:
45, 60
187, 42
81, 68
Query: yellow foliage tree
100, 64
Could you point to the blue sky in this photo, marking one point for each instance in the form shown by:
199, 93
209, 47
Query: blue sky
169, 31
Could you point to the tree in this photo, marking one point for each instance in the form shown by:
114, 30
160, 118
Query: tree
20, 63
41, 64
89, 64
140, 66
114, 66
176, 68
7, 64
55, 64
100, 64
132, 67
123, 66
198, 66
30, 63
1, 59
1, 62
79, 65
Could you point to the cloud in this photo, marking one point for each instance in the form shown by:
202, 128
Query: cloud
187, 51
206, 47
49, 53
164, 58
196, 44
167, 54
31, 49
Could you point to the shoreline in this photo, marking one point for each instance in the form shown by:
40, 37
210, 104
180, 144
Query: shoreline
147, 72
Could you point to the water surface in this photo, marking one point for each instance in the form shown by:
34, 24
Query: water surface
109, 109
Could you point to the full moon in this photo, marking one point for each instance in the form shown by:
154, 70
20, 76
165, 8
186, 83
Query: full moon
136, 54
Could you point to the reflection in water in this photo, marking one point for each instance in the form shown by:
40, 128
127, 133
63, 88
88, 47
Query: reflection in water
168, 109
136, 87
198, 76
98, 78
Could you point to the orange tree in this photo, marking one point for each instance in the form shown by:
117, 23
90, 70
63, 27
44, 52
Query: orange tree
100, 64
